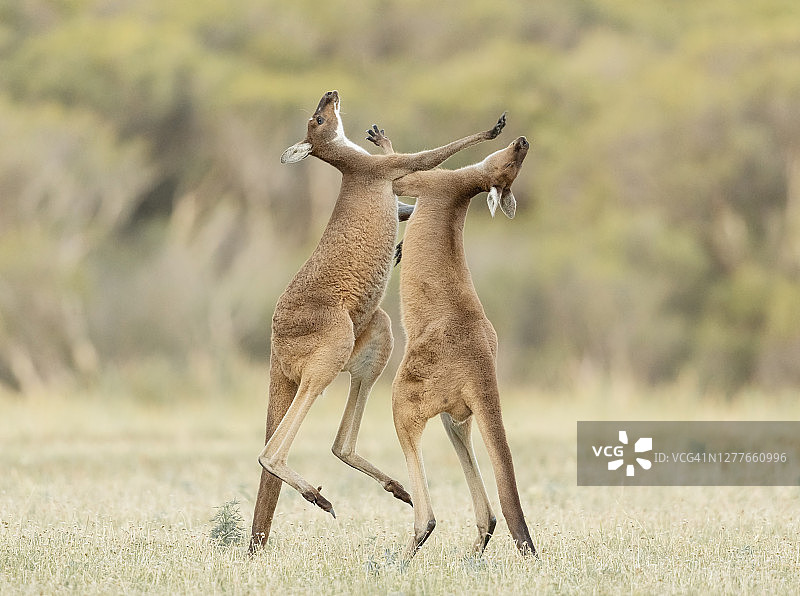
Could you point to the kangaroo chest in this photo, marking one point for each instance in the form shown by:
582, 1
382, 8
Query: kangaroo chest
352, 263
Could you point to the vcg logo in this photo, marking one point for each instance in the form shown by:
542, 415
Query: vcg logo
643, 445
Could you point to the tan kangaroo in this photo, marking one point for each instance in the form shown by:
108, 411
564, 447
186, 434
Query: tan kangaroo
449, 364
328, 320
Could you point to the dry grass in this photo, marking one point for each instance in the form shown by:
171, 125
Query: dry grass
102, 494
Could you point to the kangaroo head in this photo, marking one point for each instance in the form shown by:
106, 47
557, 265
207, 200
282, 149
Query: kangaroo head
324, 127
502, 168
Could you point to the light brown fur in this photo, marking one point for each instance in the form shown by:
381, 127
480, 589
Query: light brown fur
449, 364
328, 319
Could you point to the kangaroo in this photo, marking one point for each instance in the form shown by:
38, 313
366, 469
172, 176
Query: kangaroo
449, 363
328, 319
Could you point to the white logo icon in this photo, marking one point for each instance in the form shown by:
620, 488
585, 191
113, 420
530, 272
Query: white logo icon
641, 446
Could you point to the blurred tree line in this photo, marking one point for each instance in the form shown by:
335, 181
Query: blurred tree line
144, 215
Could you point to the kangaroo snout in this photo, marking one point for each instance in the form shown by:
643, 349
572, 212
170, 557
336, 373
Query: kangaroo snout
323, 128
522, 143
330, 96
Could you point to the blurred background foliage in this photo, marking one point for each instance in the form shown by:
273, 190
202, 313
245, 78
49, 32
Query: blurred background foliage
145, 220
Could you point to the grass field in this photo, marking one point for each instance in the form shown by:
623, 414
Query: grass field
104, 493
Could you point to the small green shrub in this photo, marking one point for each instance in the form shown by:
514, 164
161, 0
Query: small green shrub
228, 523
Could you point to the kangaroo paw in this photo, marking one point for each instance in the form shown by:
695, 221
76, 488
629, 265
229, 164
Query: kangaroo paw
398, 253
378, 137
497, 129
398, 491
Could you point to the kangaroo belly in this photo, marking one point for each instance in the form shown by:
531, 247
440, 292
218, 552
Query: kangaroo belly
349, 269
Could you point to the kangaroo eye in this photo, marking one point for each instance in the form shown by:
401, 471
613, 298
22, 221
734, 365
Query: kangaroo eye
320, 120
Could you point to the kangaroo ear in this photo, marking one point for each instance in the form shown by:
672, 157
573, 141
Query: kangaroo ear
493, 199
296, 152
508, 203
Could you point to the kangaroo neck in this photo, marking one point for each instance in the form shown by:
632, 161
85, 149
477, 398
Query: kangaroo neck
343, 154
440, 226
440, 214
434, 268
435, 280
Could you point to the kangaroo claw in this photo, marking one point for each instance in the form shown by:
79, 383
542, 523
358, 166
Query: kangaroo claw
501, 123
376, 135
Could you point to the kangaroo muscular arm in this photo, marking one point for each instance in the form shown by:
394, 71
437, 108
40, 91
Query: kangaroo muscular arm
402, 186
400, 164
379, 138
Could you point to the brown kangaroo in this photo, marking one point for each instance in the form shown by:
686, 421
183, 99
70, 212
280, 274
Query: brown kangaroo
449, 363
328, 319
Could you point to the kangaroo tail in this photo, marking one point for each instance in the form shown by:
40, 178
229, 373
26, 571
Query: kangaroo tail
490, 423
281, 393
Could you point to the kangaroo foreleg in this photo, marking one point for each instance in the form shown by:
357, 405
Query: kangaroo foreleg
379, 138
405, 163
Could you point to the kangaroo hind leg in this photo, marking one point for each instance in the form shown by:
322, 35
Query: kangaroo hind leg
323, 365
370, 355
409, 427
460, 435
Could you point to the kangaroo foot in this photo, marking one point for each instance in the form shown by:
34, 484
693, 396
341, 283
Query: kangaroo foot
484, 535
394, 487
418, 540
314, 496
